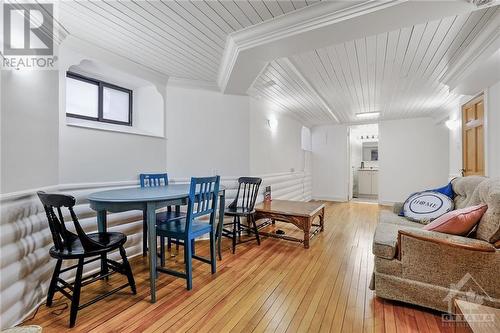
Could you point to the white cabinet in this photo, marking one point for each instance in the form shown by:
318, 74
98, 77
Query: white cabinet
368, 182
364, 182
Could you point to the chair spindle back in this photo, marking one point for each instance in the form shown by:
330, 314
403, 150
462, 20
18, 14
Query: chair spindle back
248, 189
61, 236
204, 192
153, 179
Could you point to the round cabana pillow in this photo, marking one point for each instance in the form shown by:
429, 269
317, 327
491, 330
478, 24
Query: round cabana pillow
423, 207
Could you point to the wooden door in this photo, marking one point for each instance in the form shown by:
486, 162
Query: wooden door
473, 137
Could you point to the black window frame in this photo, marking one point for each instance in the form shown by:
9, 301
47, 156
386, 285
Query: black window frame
100, 112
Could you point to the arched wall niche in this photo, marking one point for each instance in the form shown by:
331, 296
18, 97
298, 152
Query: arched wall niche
148, 109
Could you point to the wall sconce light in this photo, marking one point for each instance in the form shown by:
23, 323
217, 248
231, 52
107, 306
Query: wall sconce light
272, 123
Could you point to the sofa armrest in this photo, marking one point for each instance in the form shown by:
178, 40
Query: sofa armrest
443, 260
445, 240
398, 206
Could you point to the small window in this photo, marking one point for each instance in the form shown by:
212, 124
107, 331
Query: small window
92, 99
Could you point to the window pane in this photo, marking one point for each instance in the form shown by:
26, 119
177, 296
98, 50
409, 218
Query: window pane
81, 98
115, 104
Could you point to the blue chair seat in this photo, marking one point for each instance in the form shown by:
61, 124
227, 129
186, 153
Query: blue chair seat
163, 217
238, 211
202, 203
178, 228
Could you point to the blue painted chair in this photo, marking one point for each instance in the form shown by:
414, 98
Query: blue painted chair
155, 180
202, 202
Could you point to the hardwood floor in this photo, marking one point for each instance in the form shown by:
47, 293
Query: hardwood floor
278, 286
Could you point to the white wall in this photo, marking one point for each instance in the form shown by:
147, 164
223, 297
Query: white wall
455, 142
330, 162
207, 133
150, 110
413, 156
29, 129
493, 130
492, 133
91, 155
276, 150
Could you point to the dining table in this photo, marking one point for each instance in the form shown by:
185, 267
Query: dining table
148, 200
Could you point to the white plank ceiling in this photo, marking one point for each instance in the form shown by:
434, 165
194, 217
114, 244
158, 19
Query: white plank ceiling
183, 39
396, 73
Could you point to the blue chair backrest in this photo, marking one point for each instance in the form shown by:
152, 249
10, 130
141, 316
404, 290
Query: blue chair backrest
203, 196
153, 179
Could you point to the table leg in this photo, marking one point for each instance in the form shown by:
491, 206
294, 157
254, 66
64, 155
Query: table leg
144, 234
307, 231
101, 221
222, 207
322, 219
151, 221
102, 227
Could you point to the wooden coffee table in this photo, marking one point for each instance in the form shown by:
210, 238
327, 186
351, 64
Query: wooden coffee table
299, 213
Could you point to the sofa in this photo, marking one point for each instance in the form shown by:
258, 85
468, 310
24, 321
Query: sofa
431, 269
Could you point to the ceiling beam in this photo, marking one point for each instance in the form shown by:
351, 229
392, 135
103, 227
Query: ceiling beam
318, 26
477, 66
309, 86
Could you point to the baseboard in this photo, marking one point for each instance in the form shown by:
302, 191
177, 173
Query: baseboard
386, 203
328, 198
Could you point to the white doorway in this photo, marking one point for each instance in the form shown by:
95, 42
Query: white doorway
363, 163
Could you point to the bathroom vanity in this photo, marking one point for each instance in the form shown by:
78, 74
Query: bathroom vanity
368, 182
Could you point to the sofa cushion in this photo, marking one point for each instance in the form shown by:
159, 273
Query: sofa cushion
385, 239
386, 216
426, 206
464, 188
458, 222
446, 190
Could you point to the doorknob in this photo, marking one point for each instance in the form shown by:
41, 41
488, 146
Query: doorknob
462, 172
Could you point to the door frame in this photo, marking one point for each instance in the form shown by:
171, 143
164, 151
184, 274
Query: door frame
350, 180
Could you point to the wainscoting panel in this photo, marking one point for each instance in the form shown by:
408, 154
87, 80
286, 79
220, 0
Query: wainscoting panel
25, 240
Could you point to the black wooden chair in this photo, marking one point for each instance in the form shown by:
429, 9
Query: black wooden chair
85, 248
243, 206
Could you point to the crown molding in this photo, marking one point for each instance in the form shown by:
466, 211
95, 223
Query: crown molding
231, 51
482, 47
192, 84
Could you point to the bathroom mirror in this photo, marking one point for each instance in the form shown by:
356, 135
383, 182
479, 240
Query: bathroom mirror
370, 151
